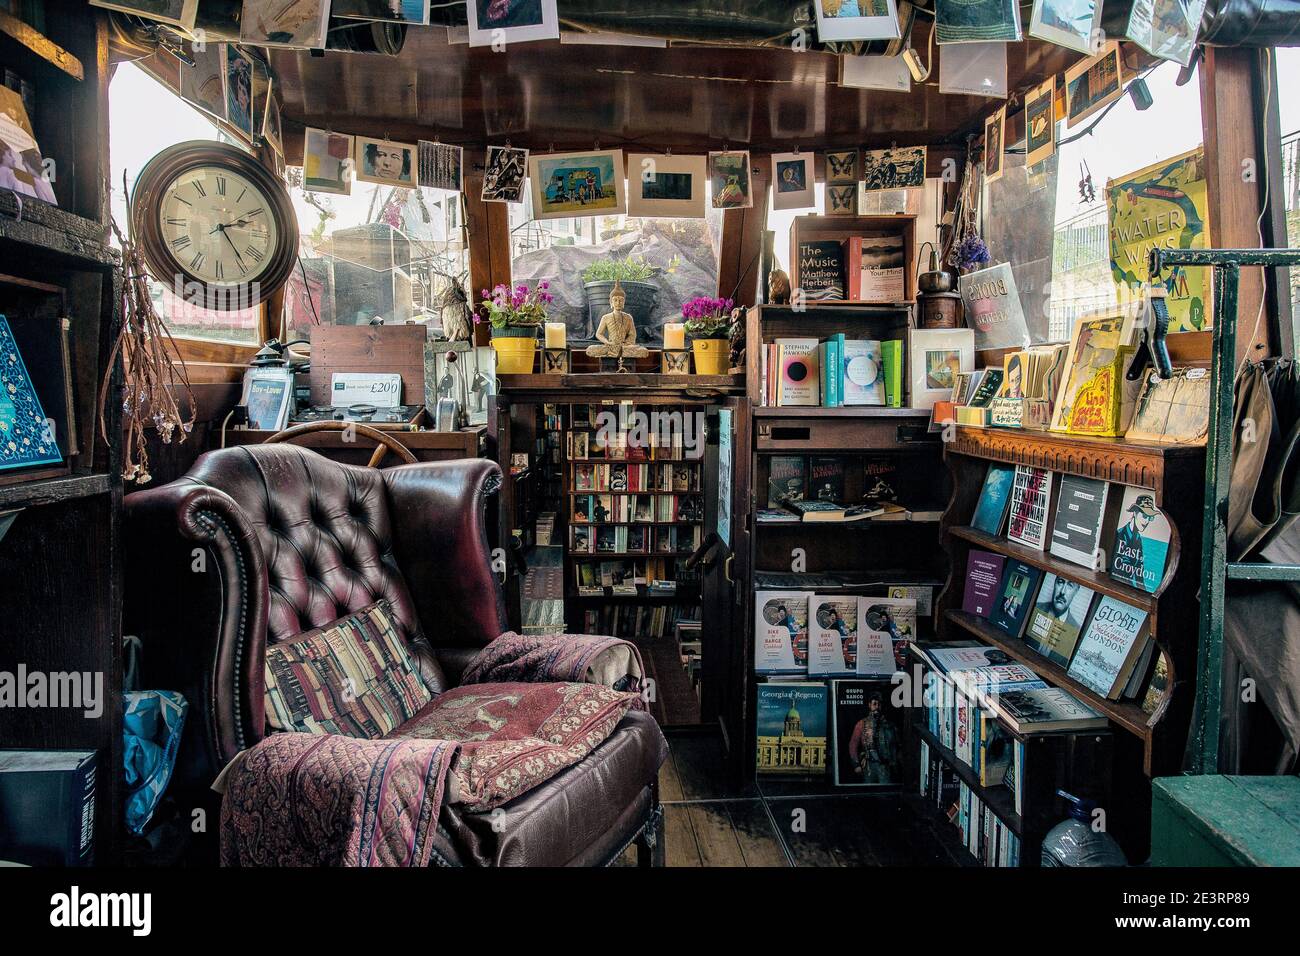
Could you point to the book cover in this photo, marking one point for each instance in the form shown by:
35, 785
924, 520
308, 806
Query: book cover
986, 389
47, 803
1031, 490
781, 632
1159, 684
1057, 617
1045, 710
828, 362
833, 636
993, 749
983, 578
886, 626
29, 437
1094, 394
995, 498
1141, 545
821, 270
867, 734
786, 479
891, 353
826, 473
1076, 531
992, 308
791, 729
799, 382
1108, 647
862, 372
812, 510
1015, 596
874, 268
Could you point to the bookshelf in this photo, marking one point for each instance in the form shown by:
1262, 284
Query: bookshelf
839, 228
1143, 745
61, 557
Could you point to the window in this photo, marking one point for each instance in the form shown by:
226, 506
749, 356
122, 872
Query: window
145, 118
1286, 63
680, 258
1050, 223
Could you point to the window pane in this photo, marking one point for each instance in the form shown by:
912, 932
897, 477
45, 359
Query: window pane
145, 118
679, 260
1287, 63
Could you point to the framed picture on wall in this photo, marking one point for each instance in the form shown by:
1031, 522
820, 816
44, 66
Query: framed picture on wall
793, 181
935, 358
565, 185
666, 186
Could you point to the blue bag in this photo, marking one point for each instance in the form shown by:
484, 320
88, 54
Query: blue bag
152, 725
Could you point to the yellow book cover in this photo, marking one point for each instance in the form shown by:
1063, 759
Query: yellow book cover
1093, 393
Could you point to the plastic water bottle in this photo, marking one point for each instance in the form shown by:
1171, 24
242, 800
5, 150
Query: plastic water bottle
1074, 842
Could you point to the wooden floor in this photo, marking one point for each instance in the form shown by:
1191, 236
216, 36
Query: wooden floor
708, 824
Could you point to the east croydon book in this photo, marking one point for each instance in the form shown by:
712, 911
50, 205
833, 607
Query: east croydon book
1141, 544
1031, 491
791, 728
1109, 647
1015, 596
833, 636
26, 437
866, 734
1057, 617
995, 497
983, 578
1080, 509
781, 632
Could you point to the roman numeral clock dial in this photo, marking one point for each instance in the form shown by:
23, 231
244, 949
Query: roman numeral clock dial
213, 218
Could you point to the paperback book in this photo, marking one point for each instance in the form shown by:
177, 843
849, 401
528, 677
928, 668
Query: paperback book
786, 479
867, 732
886, 626
983, 578
798, 382
781, 632
1031, 490
1045, 710
1080, 509
821, 270
833, 636
863, 378
1109, 647
995, 497
1015, 597
1057, 618
791, 729
1141, 545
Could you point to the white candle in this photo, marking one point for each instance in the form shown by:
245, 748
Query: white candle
674, 335
555, 335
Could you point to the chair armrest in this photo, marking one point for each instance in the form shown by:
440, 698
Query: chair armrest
544, 658
439, 511
196, 594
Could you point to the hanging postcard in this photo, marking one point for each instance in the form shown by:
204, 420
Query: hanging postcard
666, 186
327, 162
178, 13
978, 69
793, 181
25, 173
239, 91
492, 23
841, 166
1166, 28
993, 308
1162, 205
27, 438
503, 174
970, 21
857, 20
995, 127
297, 24
842, 199
401, 11
577, 184
272, 126
1069, 23
899, 167
1092, 84
385, 162
204, 83
875, 73
729, 179
1040, 123
441, 165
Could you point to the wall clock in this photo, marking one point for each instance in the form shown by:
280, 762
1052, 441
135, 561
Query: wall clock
209, 218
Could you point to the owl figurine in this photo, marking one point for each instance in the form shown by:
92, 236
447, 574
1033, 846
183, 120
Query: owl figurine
778, 287
736, 353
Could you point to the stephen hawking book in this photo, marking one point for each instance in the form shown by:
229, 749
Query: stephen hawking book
47, 803
1057, 617
781, 632
791, 729
1031, 492
995, 496
826, 480
983, 576
799, 381
821, 270
885, 627
1015, 596
866, 734
833, 636
786, 479
1080, 508
1141, 545
1109, 647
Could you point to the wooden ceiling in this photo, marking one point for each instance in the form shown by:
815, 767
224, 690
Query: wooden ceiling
549, 95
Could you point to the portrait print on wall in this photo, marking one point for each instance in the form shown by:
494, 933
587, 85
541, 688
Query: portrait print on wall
503, 174
385, 162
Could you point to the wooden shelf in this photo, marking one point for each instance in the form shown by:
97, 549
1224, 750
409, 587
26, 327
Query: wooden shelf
848, 411
41, 46
863, 523
998, 799
688, 594
52, 490
580, 382
1126, 714
1096, 580
45, 229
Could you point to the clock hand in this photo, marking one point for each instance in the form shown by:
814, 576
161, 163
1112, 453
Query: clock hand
238, 257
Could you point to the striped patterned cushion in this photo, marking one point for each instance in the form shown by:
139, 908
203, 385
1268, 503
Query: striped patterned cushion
352, 677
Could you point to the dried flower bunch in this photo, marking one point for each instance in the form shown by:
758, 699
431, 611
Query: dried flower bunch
519, 307
152, 372
706, 317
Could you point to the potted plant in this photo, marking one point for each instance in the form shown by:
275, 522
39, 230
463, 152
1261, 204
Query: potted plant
634, 274
708, 322
515, 316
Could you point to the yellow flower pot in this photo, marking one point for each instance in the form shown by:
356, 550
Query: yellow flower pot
514, 354
710, 356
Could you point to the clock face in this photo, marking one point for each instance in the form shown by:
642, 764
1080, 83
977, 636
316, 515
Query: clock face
218, 226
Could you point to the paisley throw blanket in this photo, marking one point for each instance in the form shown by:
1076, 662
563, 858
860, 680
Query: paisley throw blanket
543, 658
327, 800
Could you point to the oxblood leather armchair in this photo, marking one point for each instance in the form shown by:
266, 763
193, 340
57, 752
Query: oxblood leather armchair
263, 542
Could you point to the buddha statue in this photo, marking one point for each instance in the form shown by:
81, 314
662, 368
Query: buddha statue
617, 331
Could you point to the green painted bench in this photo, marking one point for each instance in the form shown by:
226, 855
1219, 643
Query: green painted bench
1225, 821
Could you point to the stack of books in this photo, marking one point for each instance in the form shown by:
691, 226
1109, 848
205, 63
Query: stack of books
838, 372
